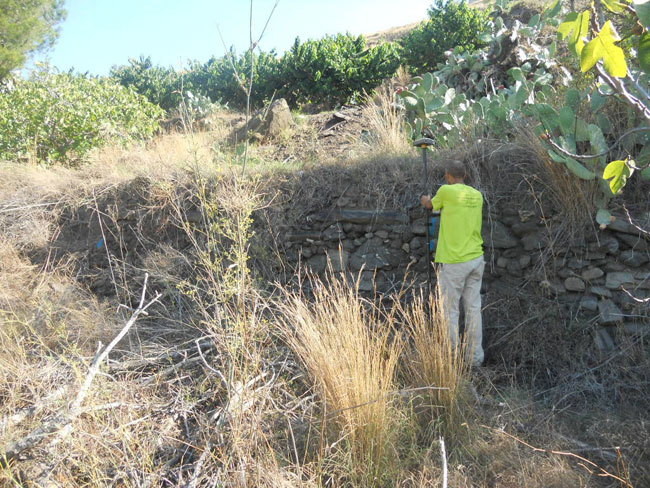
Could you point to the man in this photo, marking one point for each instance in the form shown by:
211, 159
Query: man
460, 254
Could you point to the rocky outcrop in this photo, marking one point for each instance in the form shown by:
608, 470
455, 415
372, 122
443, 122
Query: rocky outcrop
266, 124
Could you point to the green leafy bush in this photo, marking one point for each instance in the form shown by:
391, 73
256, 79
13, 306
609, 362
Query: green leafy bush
58, 117
161, 86
450, 25
333, 69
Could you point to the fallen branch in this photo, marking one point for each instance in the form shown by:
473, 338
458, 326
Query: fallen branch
60, 423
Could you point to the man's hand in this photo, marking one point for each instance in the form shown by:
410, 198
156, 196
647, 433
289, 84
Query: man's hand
425, 201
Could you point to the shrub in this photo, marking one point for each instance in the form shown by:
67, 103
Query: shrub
450, 25
334, 69
161, 86
57, 117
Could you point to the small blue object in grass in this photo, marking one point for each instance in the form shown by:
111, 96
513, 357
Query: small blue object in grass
100, 243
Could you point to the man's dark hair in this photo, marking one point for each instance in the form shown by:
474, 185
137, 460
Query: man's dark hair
456, 168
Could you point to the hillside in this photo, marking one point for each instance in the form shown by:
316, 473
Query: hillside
247, 305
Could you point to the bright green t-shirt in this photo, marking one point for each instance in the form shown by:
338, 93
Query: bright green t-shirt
461, 218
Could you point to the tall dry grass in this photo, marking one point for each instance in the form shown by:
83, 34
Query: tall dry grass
435, 367
351, 352
385, 123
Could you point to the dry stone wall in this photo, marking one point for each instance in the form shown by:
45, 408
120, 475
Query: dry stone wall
602, 280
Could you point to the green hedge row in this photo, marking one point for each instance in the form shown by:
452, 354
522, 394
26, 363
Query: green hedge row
329, 71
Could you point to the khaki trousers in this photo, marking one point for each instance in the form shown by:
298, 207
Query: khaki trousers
463, 280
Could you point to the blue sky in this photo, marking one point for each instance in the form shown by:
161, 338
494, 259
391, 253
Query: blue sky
101, 33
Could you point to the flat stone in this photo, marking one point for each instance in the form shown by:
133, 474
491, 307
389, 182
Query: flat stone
589, 303
497, 236
620, 225
382, 234
632, 258
609, 313
574, 284
419, 230
357, 242
520, 229
575, 263
307, 252
406, 248
303, 235
333, 233
591, 274
502, 262
610, 266
361, 216
615, 280
564, 273
601, 291
635, 242
595, 255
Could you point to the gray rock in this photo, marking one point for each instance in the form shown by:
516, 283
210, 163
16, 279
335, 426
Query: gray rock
419, 230
514, 268
382, 234
591, 274
303, 235
317, 263
552, 287
406, 247
635, 242
416, 243
632, 258
589, 303
502, 262
357, 242
497, 236
575, 263
564, 273
407, 235
535, 240
606, 243
595, 255
278, 118
609, 313
360, 216
615, 280
524, 261
371, 256
610, 266
307, 252
620, 225
520, 229
601, 291
333, 233
573, 283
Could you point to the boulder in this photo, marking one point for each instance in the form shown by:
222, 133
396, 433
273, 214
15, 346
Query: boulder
497, 236
266, 123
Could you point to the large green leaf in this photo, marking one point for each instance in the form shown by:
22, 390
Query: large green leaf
597, 139
576, 28
572, 99
548, 116
552, 10
603, 47
642, 8
617, 172
614, 5
567, 120
574, 166
517, 74
644, 52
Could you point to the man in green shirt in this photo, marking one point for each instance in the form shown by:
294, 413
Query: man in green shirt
460, 256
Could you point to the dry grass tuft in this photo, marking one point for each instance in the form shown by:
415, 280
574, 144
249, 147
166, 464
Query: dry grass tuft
351, 354
385, 123
433, 365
